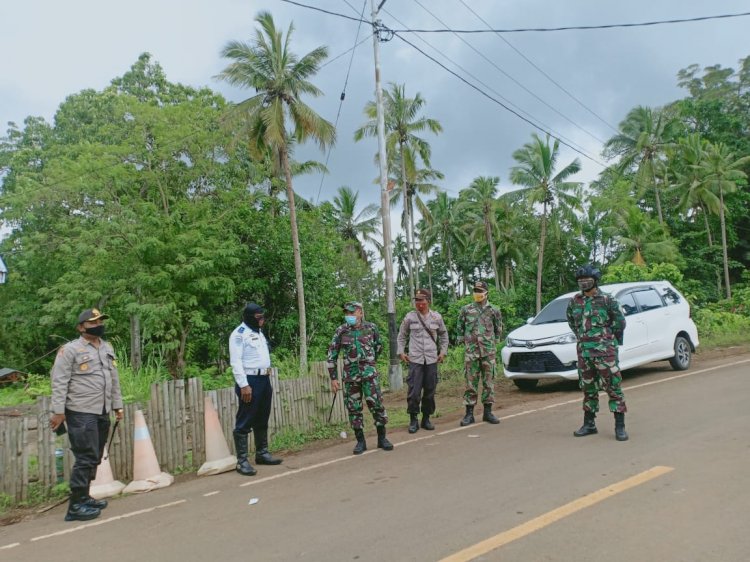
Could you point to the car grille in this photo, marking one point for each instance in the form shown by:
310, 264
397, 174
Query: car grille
536, 361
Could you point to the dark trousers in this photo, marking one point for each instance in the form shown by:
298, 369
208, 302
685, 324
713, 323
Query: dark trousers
254, 414
88, 436
421, 378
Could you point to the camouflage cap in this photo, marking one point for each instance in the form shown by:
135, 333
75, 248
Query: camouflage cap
91, 314
423, 294
480, 287
352, 306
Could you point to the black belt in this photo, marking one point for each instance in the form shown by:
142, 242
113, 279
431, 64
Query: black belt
258, 372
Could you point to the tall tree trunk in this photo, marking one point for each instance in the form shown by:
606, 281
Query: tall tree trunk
414, 252
540, 260
493, 251
136, 357
711, 245
656, 194
405, 191
429, 271
724, 243
283, 152
454, 286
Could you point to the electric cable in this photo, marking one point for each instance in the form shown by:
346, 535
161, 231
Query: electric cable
341, 100
541, 71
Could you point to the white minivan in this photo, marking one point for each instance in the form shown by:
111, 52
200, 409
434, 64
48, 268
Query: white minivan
658, 327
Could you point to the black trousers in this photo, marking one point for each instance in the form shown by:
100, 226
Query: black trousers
254, 414
88, 437
421, 378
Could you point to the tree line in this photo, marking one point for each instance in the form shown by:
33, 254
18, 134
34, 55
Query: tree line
161, 203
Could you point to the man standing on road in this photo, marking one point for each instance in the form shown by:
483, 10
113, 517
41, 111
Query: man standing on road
480, 328
85, 389
428, 345
250, 358
598, 322
359, 344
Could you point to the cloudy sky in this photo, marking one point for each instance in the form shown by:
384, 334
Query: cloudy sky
52, 49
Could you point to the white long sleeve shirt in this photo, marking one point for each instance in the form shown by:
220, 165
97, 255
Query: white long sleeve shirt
248, 352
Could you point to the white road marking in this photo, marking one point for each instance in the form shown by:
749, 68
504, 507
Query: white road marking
105, 521
9, 546
211, 493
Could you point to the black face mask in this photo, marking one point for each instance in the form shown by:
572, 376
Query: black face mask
97, 331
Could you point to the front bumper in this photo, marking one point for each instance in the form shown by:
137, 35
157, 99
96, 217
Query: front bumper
544, 362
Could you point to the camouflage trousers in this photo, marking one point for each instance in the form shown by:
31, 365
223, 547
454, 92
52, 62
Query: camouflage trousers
476, 369
601, 373
369, 389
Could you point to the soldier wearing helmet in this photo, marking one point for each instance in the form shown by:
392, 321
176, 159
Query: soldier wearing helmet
597, 321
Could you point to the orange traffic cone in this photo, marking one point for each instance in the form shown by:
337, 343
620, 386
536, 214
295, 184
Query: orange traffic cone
218, 457
105, 485
147, 475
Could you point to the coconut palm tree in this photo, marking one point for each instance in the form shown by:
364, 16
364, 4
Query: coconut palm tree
357, 228
722, 174
544, 185
444, 228
479, 202
402, 125
642, 238
276, 116
645, 133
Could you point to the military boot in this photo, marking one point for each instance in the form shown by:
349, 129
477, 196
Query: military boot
426, 423
589, 425
262, 456
361, 445
413, 423
469, 417
91, 502
383, 442
488, 416
78, 510
620, 433
243, 466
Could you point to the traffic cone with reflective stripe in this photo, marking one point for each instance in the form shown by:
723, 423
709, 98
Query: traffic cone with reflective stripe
218, 457
105, 485
147, 475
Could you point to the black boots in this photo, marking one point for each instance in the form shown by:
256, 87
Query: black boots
361, 445
413, 423
98, 504
240, 444
262, 456
383, 442
426, 423
589, 425
620, 433
469, 417
78, 508
488, 416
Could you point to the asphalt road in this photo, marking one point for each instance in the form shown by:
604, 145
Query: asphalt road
525, 490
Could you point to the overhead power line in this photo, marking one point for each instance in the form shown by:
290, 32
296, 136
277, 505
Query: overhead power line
575, 27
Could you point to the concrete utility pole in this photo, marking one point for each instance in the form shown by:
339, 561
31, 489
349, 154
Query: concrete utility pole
394, 369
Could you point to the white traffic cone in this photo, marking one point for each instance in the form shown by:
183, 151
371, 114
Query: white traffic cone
105, 485
218, 457
147, 475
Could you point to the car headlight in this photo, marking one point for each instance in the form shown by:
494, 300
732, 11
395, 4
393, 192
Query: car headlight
567, 338
510, 342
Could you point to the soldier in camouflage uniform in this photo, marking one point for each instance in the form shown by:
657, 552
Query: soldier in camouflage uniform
479, 327
359, 344
598, 322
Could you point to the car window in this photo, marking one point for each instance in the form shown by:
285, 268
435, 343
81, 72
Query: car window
628, 304
671, 296
648, 299
553, 312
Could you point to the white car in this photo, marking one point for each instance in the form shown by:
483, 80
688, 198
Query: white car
658, 327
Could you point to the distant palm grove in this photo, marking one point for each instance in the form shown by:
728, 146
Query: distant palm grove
169, 208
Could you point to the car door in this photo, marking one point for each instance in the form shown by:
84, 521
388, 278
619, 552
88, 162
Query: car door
635, 339
652, 309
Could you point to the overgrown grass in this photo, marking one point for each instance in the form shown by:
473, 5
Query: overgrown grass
36, 496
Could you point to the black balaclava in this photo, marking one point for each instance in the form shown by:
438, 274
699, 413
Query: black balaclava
248, 315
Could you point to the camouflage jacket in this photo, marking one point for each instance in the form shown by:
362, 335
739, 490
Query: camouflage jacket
480, 328
359, 347
597, 322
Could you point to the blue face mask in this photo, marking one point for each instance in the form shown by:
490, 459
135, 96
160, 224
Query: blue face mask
351, 320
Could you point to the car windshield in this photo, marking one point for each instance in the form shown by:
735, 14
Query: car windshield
553, 312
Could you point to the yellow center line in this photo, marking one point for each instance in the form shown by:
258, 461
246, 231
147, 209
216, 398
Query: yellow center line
550, 517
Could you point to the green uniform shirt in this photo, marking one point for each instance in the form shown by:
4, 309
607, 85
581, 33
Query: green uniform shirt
480, 328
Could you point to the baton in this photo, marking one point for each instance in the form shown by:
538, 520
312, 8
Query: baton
332, 403
114, 428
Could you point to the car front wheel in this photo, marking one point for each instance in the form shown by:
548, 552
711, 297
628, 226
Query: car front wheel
526, 384
682, 354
